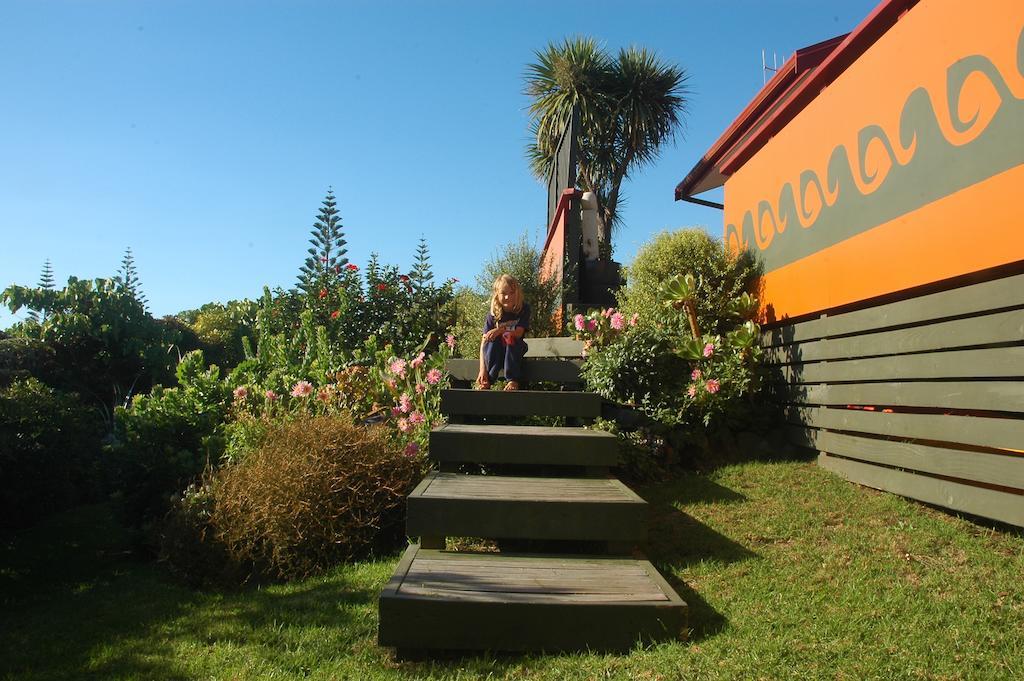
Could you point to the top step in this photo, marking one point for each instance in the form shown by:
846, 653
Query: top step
568, 348
520, 403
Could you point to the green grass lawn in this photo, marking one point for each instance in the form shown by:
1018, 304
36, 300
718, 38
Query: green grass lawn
789, 572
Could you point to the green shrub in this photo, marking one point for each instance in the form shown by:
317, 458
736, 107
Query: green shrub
166, 438
108, 347
471, 307
49, 452
220, 328
682, 382
21, 358
522, 260
319, 490
640, 370
720, 278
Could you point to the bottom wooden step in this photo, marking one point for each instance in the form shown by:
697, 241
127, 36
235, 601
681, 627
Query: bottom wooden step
458, 601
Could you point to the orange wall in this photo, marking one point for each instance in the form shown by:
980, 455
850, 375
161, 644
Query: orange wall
907, 169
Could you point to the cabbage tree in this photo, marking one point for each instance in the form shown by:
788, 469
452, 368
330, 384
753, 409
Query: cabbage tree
631, 104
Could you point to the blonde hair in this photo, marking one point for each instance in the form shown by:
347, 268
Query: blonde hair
517, 295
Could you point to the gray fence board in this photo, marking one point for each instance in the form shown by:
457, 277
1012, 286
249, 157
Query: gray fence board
985, 363
1003, 506
990, 295
968, 395
973, 430
1001, 327
1006, 470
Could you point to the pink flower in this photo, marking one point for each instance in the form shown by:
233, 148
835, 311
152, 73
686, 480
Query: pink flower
416, 418
417, 361
335, 314
324, 395
695, 375
412, 449
241, 392
450, 340
391, 384
352, 267
591, 325
270, 395
396, 411
403, 425
692, 391
712, 385
405, 403
302, 389
420, 388
608, 312
434, 376
709, 349
398, 368
618, 321
579, 322
634, 319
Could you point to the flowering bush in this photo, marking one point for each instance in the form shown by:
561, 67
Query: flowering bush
412, 389
600, 327
402, 392
676, 378
315, 336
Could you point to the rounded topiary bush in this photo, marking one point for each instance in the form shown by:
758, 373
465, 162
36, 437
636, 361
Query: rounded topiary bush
317, 491
720, 277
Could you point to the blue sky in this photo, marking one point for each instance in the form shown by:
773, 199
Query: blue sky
203, 135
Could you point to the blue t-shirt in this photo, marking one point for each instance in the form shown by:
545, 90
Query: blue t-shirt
510, 320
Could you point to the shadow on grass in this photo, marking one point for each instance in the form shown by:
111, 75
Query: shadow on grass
76, 604
677, 540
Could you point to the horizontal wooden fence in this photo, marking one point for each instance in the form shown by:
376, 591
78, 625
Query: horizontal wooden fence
923, 397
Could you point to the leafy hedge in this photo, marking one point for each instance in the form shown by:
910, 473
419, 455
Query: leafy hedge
49, 452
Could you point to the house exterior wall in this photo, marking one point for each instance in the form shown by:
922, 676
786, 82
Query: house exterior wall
888, 215
908, 169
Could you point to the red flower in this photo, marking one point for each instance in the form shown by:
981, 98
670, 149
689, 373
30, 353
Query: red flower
382, 286
403, 277
352, 268
323, 293
335, 314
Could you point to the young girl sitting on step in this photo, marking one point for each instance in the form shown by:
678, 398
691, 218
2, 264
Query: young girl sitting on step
502, 345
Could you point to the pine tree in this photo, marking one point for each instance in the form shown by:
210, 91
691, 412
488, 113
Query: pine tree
46, 283
46, 277
128, 278
422, 275
327, 254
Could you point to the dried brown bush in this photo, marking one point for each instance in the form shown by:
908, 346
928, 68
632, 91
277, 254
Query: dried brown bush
318, 491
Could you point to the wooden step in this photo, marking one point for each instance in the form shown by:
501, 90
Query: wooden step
554, 370
520, 403
460, 443
458, 601
493, 506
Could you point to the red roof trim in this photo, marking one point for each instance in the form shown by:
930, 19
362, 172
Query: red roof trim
752, 129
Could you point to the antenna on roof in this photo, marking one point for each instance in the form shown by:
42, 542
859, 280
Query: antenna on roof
765, 68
